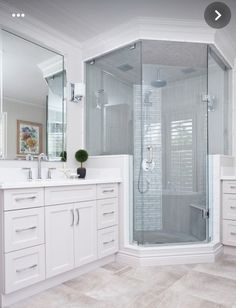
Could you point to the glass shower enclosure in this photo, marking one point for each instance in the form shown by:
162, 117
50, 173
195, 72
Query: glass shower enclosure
165, 104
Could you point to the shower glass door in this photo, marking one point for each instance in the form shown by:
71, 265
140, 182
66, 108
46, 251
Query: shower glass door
170, 145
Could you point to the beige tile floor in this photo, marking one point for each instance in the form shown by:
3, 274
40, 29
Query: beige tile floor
121, 286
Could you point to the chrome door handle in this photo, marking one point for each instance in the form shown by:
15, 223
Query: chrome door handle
25, 229
73, 217
26, 268
78, 216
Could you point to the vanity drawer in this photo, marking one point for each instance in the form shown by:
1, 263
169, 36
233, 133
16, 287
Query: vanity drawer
229, 206
107, 210
229, 232
69, 194
23, 228
24, 268
229, 187
107, 191
15, 199
107, 241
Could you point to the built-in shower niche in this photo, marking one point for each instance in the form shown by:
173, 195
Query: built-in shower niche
166, 104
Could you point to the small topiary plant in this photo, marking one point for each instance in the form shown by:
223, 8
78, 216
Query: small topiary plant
81, 156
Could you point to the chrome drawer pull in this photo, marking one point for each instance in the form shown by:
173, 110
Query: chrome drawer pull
26, 268
109, 213
233, 207
233, 187
108, 191
77, 211
26, 229
109, 242
232, 233
25, 198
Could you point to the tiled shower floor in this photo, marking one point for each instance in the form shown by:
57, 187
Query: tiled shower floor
119, 285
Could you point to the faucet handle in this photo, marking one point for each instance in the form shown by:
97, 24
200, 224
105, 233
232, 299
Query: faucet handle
50, 172
30, 177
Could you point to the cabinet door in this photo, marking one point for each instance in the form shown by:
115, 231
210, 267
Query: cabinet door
59, 239
85, 236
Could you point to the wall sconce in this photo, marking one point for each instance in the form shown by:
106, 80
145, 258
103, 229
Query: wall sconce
77, 92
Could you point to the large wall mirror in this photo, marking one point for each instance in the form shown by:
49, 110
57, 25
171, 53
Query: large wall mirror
32, 104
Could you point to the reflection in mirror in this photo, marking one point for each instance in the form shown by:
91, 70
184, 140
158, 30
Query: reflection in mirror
33, 100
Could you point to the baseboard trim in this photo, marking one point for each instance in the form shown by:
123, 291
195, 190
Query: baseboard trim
12, 298
205, 255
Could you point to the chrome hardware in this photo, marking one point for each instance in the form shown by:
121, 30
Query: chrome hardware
108, 242
26, 268
205, 212
233, 233
108, 213
108, 191
150, 151
25, 229
73, 217
41, 157
77, 211
30, 177
233, 207
50, 173
25, 198
233, 187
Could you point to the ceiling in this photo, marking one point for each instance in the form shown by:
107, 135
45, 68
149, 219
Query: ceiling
84, 19
171, 58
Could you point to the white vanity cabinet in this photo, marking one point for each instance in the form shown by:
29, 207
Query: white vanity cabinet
52, 230
71, 236
229, 213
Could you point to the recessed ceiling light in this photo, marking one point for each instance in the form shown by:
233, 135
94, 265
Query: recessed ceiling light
13, 15
18, 15
22, 15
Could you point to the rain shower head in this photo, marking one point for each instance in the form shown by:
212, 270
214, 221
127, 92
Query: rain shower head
158, 83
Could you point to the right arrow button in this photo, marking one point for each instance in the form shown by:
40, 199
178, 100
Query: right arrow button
217, 15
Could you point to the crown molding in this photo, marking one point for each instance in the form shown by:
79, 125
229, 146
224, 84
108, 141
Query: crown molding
19, 101
152, 29
142, 28
36, 31
51, 66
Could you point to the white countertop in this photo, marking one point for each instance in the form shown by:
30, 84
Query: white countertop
57, 182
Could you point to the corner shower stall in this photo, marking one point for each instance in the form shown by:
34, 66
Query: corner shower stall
166, 105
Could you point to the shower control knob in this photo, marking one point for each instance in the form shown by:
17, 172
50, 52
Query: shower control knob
148, 165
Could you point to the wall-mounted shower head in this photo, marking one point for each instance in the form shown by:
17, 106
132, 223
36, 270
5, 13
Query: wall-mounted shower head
158, 83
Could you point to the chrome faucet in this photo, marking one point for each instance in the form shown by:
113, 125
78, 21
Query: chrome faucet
41, 157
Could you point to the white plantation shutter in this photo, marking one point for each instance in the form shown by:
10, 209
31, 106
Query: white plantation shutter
181, 170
